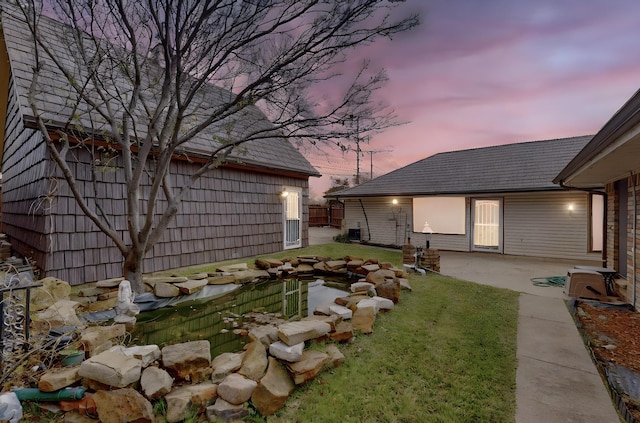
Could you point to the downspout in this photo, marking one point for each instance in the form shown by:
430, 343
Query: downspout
366, 219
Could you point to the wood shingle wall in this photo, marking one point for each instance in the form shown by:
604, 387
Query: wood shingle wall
25, 174
231, 212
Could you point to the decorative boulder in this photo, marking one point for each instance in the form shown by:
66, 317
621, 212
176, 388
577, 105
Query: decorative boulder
273, 390
236, 389
123, 406
188, 361
112, 368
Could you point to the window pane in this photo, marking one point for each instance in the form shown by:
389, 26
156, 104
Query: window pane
445, 215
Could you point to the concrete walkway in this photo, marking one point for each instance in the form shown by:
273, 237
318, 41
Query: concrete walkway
556, 380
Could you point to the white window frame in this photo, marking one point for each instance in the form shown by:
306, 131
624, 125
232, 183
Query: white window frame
292, 217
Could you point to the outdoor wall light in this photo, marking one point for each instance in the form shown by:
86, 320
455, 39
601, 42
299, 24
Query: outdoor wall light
394, 201
570, 207
427, 231
284, 193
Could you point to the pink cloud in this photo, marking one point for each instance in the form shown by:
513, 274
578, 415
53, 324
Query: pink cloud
486, 73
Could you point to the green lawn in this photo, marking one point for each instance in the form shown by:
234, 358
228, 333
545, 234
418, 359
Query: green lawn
446, 353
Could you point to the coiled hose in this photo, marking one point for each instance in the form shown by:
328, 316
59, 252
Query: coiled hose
549, 281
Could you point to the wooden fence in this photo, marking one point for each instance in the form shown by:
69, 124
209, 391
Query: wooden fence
326, 215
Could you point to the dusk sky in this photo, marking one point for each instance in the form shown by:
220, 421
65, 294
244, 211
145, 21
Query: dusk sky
477, 73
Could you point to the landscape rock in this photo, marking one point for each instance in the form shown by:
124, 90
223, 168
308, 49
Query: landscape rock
95, 337
60, 313
267, 334
305, 268
389, 288
384, 303
370, 268
293, 333
311, 363
155, 382
335, 355
112, 368
101, 305
76, 417
51, 291
109, 283
247, 276
226, 412
232, 268
225, 364
362, 287
86, 406
285, 352
191, 286
90, 291
165, 290
320, 266
273, 390
123, 406
221, 279
334, 265
364, 318
377, 277
189, 361
324, 308
369, 302
342, 311
404, 284
180, 400
331, 320
59, 378
343, 332
152, 280
254, 363
268, 263
236, 389
197, 276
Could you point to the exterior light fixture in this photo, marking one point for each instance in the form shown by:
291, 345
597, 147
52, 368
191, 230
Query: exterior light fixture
284, 193
394, 201
570, 207
427, 231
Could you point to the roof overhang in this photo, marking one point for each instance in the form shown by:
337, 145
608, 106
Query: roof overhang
612, 154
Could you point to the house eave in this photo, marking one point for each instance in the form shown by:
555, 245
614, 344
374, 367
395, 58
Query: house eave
54, 129
446, 193
611, 154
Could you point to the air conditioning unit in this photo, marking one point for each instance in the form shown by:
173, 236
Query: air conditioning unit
585, 284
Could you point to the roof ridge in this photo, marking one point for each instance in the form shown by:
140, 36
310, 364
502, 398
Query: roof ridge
510, 144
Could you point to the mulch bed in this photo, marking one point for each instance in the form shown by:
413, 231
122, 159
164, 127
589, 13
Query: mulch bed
612, 334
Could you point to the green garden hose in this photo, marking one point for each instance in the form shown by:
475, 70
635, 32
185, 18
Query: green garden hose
549, 281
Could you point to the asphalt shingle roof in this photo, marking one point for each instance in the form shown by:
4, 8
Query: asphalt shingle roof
56, 99
520, 167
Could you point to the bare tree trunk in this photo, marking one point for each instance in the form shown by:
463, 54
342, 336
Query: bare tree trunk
132, 270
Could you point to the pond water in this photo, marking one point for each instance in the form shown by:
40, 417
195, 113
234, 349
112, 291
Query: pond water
215, 318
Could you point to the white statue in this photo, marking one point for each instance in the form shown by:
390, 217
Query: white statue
126, 310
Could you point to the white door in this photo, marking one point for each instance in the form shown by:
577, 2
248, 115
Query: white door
292, 202
487, 228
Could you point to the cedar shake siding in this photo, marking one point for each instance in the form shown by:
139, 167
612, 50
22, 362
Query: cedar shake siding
232, 212
25, 183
